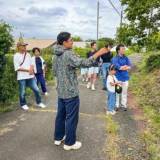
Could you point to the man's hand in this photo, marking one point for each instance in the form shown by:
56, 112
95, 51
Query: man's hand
31, 70
100, 52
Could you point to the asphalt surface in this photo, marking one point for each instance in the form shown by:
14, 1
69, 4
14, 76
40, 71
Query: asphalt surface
29, 135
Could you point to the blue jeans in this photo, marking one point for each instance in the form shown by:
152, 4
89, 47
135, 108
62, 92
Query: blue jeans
111, 100
67, 120
41, 80
31, 83
105, 67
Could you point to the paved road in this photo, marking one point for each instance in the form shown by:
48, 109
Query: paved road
29, 135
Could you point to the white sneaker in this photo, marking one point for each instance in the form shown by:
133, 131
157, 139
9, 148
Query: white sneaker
75, 146
108, 112
25, 107
88, 85
93, 87
57, 143
41, 105
113, 113
46, 93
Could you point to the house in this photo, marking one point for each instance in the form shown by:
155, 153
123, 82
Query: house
40, 43
45, 43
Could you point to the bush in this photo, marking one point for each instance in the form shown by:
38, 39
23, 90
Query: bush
8, 82
48, 60
152, 62
82, 52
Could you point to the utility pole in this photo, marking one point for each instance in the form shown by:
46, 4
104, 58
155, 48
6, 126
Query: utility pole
97, 20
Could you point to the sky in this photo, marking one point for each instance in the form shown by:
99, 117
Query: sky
45, 19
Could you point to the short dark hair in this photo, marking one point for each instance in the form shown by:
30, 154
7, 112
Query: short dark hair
63, 36
93, 43
108, 45
36, 48
119, 46
112, 67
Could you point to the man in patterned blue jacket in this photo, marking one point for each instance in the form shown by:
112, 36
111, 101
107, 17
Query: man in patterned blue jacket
65, 62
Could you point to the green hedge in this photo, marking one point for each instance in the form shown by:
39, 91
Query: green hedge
152, 62
82, 52
8, 82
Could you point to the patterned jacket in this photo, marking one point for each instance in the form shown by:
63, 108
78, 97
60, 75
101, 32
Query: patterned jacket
65, 62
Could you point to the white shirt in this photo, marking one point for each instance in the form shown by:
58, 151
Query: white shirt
34, 63
111, 79
18, 59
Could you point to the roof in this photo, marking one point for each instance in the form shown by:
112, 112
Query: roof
45, 43
80, 44
40, 43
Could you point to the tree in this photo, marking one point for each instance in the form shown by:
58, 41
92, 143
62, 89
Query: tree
6, 41
154, 41
7, 79
125, 34
144, 16
77, 38
105, 40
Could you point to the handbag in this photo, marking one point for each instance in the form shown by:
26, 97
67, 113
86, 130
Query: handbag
118, 89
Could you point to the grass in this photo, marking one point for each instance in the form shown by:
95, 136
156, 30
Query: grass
6, 108
146, 87
112, 148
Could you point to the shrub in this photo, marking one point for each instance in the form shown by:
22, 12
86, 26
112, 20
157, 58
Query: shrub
9, 86
152, 62
82, 52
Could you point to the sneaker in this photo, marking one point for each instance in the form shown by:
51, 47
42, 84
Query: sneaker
75, 146
93, 87
88, 85
41, 105
113, 113
124, 109
25, 107
57, 143
108, 112
117, 109
46, 93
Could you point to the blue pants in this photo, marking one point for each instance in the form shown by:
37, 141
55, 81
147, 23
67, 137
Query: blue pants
31, 83
105, 67
41, 80
111, 100
67, 120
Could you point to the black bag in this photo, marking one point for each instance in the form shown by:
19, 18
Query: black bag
118, 89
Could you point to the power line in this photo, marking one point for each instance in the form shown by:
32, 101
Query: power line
114, 8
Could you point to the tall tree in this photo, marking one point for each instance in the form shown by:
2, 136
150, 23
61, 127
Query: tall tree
144, 15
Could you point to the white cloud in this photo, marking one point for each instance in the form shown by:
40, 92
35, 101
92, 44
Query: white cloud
45, 19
